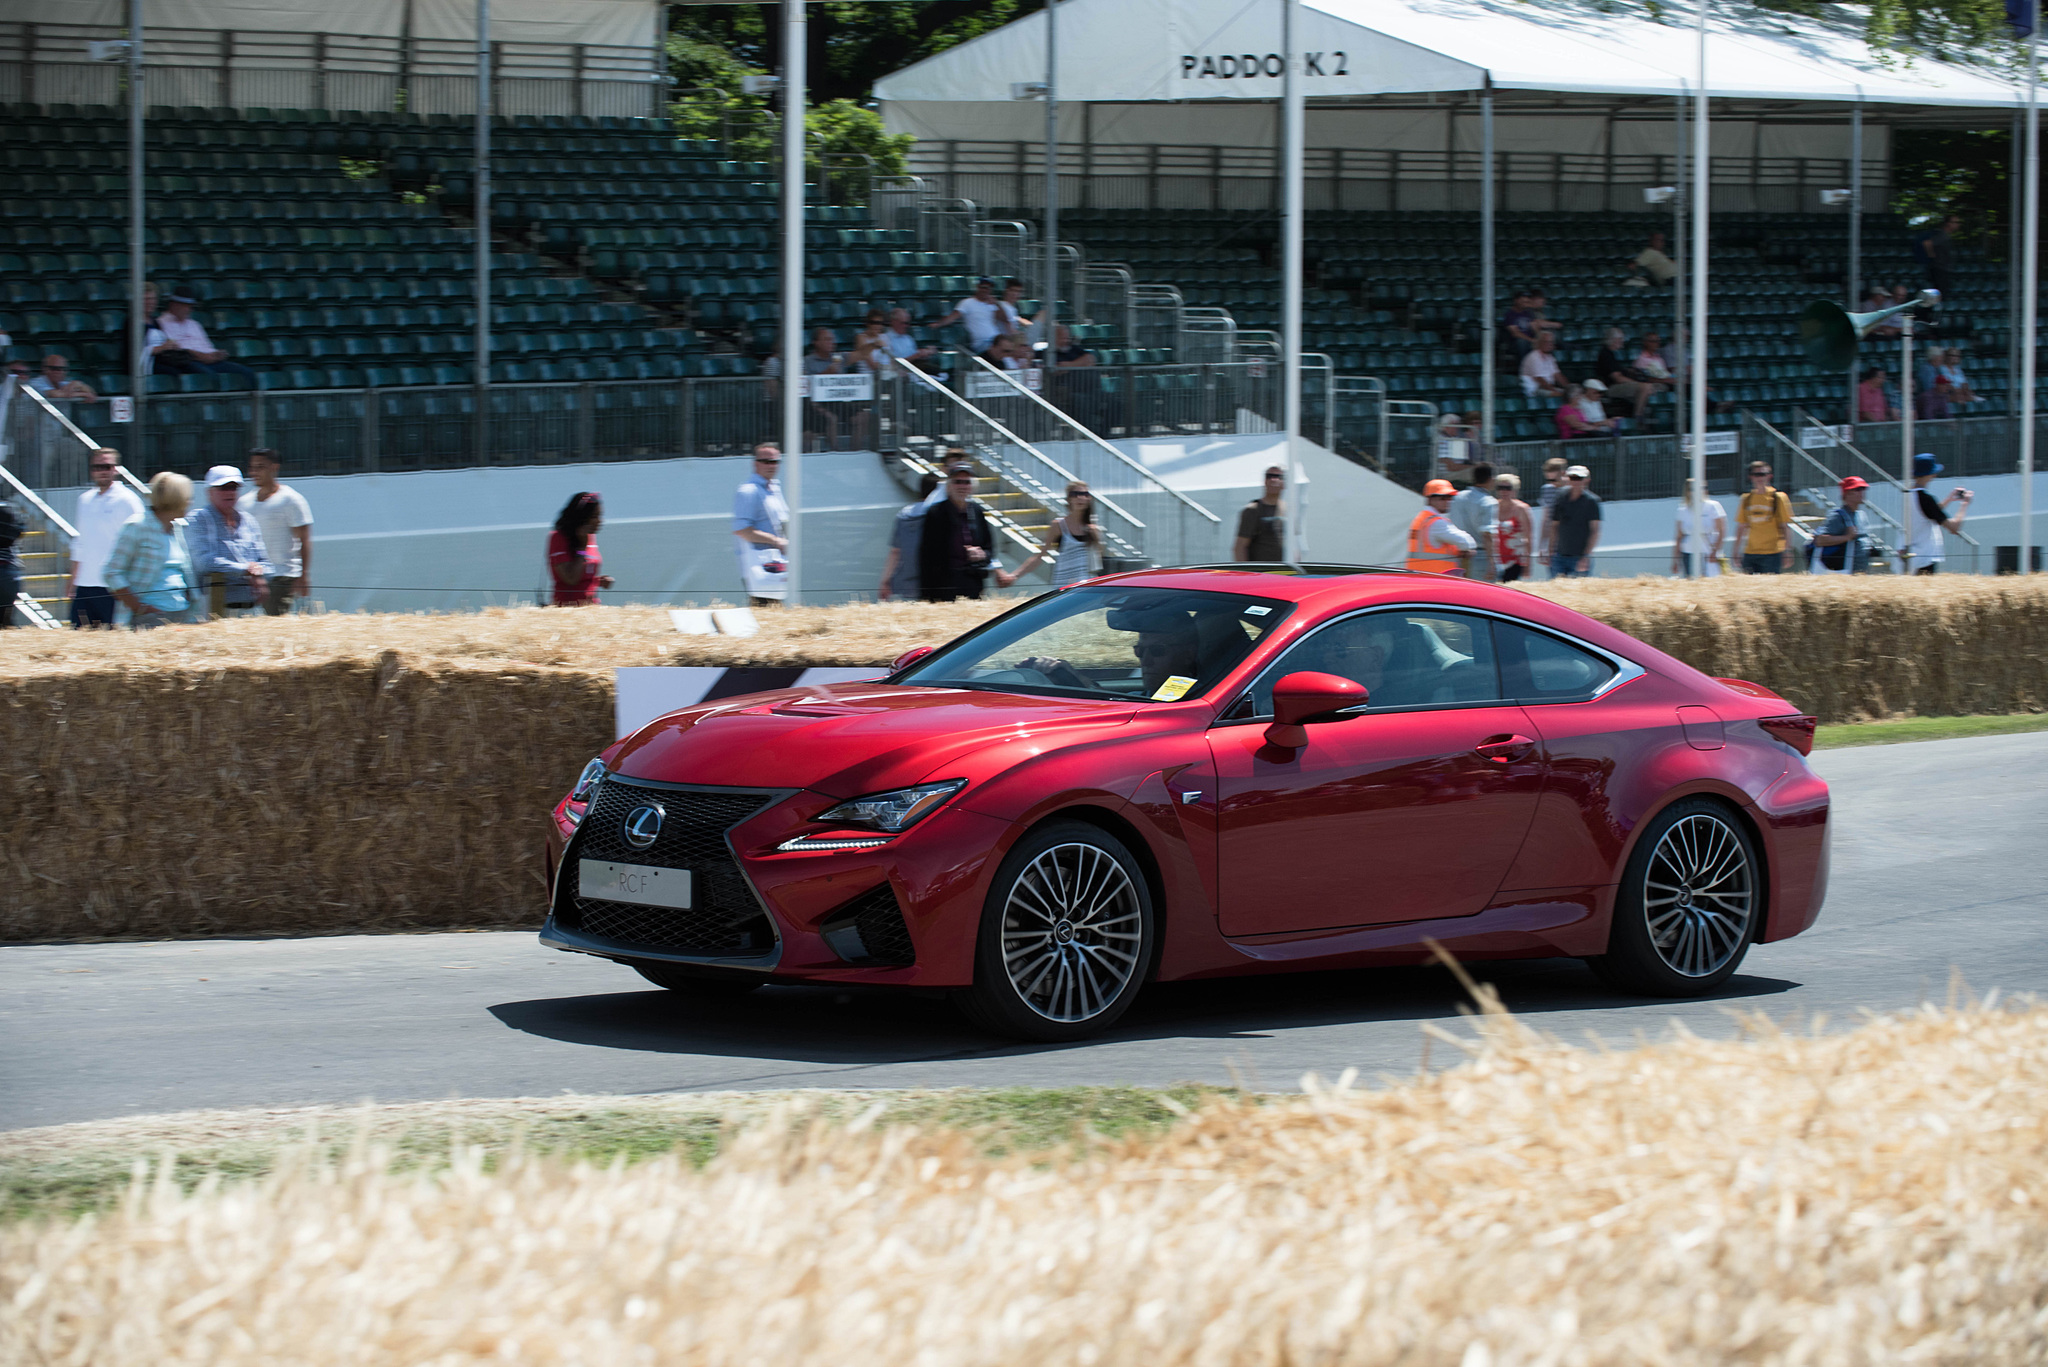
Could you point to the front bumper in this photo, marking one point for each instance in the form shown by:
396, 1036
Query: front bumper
831, 913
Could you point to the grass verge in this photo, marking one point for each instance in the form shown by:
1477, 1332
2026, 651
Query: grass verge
1926, 728
69, 1170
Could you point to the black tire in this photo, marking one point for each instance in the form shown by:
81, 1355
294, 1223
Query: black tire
1066, 937
680, 978
1689, 906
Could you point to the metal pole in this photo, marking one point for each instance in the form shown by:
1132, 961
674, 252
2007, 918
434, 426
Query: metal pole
794, 38
1854, 275
1489, 288
1291, 140
1679, 257
1905, 432
1696, 356
2030, 289
1052, 183
483, 231
138, 236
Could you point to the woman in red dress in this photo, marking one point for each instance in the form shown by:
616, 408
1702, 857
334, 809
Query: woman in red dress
573, 559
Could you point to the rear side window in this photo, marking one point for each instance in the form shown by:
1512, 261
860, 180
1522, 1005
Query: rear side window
1405, 659
1540, 668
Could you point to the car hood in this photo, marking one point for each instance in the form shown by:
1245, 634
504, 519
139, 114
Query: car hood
845, 740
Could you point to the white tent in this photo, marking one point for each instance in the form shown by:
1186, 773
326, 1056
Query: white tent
1149, 50
616, 23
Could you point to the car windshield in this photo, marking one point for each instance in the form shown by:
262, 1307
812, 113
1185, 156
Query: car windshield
1137, 644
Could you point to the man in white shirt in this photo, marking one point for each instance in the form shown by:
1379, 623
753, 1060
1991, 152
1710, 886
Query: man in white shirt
982, 314
103, 510
1927, 516
900, 346
1701, 527
1476, 513
195, 348
285, 520
1540, 374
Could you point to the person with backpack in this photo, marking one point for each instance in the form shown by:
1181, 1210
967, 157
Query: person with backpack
1841, 546
1762, 545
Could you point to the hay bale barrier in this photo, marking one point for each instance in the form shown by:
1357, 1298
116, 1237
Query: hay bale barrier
350, 772
1869, 1197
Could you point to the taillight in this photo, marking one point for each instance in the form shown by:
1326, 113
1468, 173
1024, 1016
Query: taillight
1796, 732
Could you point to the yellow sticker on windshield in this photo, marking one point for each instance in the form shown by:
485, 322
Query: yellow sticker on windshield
1171, 690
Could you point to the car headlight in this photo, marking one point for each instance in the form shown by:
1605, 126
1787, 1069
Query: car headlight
893, 812
587, 781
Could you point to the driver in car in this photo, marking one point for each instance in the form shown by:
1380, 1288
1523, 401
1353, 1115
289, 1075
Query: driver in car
1167, 647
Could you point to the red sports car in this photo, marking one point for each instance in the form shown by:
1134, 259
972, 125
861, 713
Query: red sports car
1195, 772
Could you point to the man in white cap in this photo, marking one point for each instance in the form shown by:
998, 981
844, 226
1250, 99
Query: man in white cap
226, 547
1572, 531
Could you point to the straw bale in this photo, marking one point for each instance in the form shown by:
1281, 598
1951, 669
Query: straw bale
335, 772
1875, 1196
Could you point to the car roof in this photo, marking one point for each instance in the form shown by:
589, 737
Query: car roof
1317, 584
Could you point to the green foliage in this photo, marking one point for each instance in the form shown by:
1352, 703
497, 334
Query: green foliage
1942, 171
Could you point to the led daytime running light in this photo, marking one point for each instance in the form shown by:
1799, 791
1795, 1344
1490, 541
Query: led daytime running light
831, 842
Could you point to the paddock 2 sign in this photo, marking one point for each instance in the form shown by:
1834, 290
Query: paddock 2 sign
1241, 65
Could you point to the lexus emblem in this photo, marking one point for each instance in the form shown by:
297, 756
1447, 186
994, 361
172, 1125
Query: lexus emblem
643, 825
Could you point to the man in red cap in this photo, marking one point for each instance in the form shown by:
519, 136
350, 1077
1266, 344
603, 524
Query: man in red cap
1434, 545
1841, 545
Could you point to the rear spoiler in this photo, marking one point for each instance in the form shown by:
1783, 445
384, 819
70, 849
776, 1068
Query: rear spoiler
1752, 690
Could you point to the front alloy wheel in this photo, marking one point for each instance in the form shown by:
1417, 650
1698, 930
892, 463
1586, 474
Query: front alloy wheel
1065, 938
1689, 904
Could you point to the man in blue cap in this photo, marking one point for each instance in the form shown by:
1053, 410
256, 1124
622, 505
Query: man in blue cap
1927, 517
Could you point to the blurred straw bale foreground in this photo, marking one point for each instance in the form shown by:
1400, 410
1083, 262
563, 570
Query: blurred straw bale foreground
1870, 1197
383, 772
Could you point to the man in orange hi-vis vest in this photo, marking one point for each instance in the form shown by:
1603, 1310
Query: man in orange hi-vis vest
1434, 545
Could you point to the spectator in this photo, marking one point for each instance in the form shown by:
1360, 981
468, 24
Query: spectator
103, 510
1070, 354
55, 382
160, 355
195, 348
1655, 361
1476, 512
227, 549
957, 552
1540, 374
1435, 544
1553, 488
900, 345
1841, 546
574, 561
285, 519
1934, 248
1262, 524
1653, 265
760, 521
981, 313
1951, 373
1930, 389
1076, 386
1762, 514
1515, 537
823, 358
150, 569
1700, 529
10, 562
1456, 435
1626, 385
1572, 532
1927, 517
1576, 415
1873, 401
1013, 310
900, 578
1074, 543
1882, 298
1523, 323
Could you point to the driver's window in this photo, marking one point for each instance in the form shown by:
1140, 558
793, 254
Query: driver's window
1404, 660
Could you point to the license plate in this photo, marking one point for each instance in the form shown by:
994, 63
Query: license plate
640, 884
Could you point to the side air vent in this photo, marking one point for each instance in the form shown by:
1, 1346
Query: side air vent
870, 930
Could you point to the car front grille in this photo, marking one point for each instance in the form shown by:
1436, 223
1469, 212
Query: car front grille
724, 918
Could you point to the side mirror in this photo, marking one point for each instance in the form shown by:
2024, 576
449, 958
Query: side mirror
909, 658
1307, 697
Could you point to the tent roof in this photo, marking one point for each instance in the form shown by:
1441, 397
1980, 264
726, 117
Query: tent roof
620, 23
1147, 50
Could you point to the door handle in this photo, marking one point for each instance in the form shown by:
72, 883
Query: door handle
1505, 749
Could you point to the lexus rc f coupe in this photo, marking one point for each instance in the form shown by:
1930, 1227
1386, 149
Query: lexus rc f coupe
1198, 772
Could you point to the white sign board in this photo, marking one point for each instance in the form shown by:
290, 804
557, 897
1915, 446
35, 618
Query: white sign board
1815, 438
1718, 443
856, 388
982, 385
121, 408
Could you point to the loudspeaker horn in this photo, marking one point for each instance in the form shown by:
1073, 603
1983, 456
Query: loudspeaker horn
1830, 332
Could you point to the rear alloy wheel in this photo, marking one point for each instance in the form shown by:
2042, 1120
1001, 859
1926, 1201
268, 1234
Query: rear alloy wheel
1689, 904
680, 979
1066, 937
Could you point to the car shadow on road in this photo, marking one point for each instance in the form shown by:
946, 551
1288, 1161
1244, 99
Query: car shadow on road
865, 1026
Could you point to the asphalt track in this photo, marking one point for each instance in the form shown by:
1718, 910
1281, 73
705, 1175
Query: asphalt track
1938, 866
